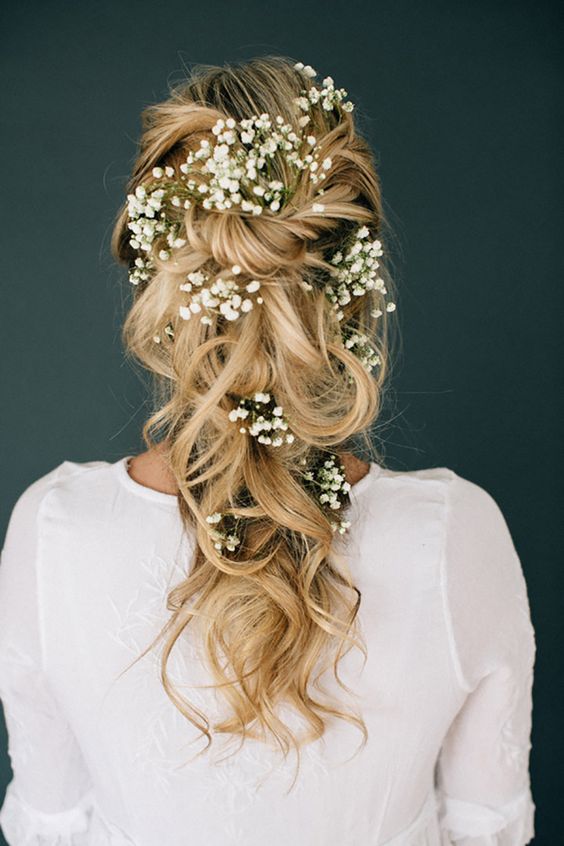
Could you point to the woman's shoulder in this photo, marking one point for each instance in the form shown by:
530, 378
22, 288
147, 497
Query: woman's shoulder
59, 475
454, 489
440, 484
67, 475
411, 493
437, 503
26, 513
91, 476
80, 493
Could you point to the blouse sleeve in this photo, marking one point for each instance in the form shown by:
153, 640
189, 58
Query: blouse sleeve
483, 768
47, 803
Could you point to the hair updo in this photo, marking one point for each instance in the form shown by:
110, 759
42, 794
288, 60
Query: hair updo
276, 607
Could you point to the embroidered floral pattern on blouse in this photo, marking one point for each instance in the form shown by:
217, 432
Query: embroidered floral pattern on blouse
167, 747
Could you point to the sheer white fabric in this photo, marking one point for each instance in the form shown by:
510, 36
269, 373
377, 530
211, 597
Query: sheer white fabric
101, 757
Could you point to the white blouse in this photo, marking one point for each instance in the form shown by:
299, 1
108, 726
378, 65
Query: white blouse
102, 758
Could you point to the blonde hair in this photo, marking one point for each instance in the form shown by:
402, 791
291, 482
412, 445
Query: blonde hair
283, 609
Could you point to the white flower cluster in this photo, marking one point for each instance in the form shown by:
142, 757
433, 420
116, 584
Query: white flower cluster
234, 170
149, 221
328, 96
223, 296
231, 172
359, 345
221, 539
356, 271
331, 483
264, 417
328, 484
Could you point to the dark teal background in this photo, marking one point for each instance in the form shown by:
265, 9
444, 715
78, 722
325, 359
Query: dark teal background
463, 104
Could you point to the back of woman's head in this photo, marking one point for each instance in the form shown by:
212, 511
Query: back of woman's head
252, 237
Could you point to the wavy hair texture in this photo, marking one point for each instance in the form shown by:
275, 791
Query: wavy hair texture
281, 611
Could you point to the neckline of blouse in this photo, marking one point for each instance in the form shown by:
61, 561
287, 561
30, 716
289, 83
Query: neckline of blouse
121, 467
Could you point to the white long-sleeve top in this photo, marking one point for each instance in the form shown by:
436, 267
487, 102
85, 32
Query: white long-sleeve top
101, 757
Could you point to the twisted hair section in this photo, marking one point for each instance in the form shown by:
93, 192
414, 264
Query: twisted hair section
279, 609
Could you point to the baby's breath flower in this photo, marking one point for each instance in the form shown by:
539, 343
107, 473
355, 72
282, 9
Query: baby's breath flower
263, 418
214, 518
331, 489
377, 312
230, 172
307, 69
327, 96
224, 296
355, 270
341, 526
359, 344
141, 271
227, 539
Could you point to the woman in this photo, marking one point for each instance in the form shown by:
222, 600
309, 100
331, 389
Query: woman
248, 634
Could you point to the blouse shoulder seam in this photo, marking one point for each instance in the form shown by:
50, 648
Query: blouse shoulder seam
443, 580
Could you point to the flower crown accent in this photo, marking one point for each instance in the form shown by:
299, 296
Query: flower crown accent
264, 417
232, 172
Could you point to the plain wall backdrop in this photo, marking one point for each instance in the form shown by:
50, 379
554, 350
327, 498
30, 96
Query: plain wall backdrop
460, 101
